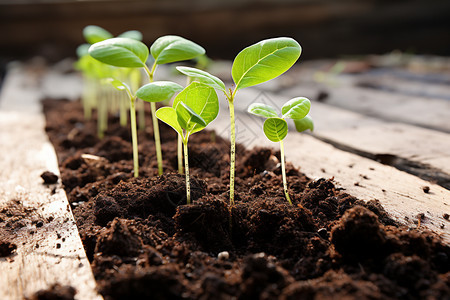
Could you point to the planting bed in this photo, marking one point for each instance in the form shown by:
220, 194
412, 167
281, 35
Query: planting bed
143, 241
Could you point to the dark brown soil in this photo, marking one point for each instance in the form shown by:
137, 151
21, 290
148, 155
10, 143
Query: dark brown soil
145, 243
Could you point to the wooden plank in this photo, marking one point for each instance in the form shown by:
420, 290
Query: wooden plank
400, 193
50, 250
421, 150
343, 91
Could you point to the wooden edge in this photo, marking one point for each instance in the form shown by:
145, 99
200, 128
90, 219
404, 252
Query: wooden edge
50, 250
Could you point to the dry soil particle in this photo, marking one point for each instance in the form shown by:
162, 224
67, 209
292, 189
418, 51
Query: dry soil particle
6, 248
144, 242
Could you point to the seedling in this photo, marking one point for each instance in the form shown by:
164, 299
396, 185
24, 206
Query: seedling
255, 64
95, 93
125, 52
276, 128
193, 109
157, 91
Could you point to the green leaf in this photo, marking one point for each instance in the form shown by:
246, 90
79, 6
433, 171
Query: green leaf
172, 48
202, 99
304, 124
264, 61
158, 91
262, 110
132, 34
275, 129
296, 108
120, 52
118, 85
169, 116
188, 118
94, 34
203, 77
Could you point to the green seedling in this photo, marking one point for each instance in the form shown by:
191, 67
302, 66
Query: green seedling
276, 128
255, 64
157, 91
95, 93
193, 109
125, 52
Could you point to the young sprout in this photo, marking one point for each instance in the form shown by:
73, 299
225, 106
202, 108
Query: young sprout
276, 128
157, 91
125, 52
255, 64
193, 109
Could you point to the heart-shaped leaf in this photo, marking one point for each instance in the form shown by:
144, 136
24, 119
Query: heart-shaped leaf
94, 34
264, 61
158, 91
120, 52
188, 118
169, 116
202, 99
262, 110
304, 124
203, 77
296, 108
172, 48
132, 34
275, 129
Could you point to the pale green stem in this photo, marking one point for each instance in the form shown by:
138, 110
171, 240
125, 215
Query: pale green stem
102, 112
155, 123
134, 136
186, 167
157, 138
283, 173
180, 154
141, 114
233, 150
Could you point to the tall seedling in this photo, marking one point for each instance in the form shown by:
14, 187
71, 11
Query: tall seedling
121, 52
255, 64
193, 109
276, 128
129, 53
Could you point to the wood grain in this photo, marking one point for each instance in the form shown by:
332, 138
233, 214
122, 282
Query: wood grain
50, 252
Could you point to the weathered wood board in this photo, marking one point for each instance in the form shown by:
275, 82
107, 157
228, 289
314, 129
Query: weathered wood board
428, 108
49, 251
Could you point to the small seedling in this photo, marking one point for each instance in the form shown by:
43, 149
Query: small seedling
125, 52
276, 128
255, 64
193, 109
157, 91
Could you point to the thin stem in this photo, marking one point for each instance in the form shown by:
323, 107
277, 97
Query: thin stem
186, 167
155, 122
180, 154
141, 114
134, 136
233, 149
283, 172
157, 138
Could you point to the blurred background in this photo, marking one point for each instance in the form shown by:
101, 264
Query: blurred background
325, 28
